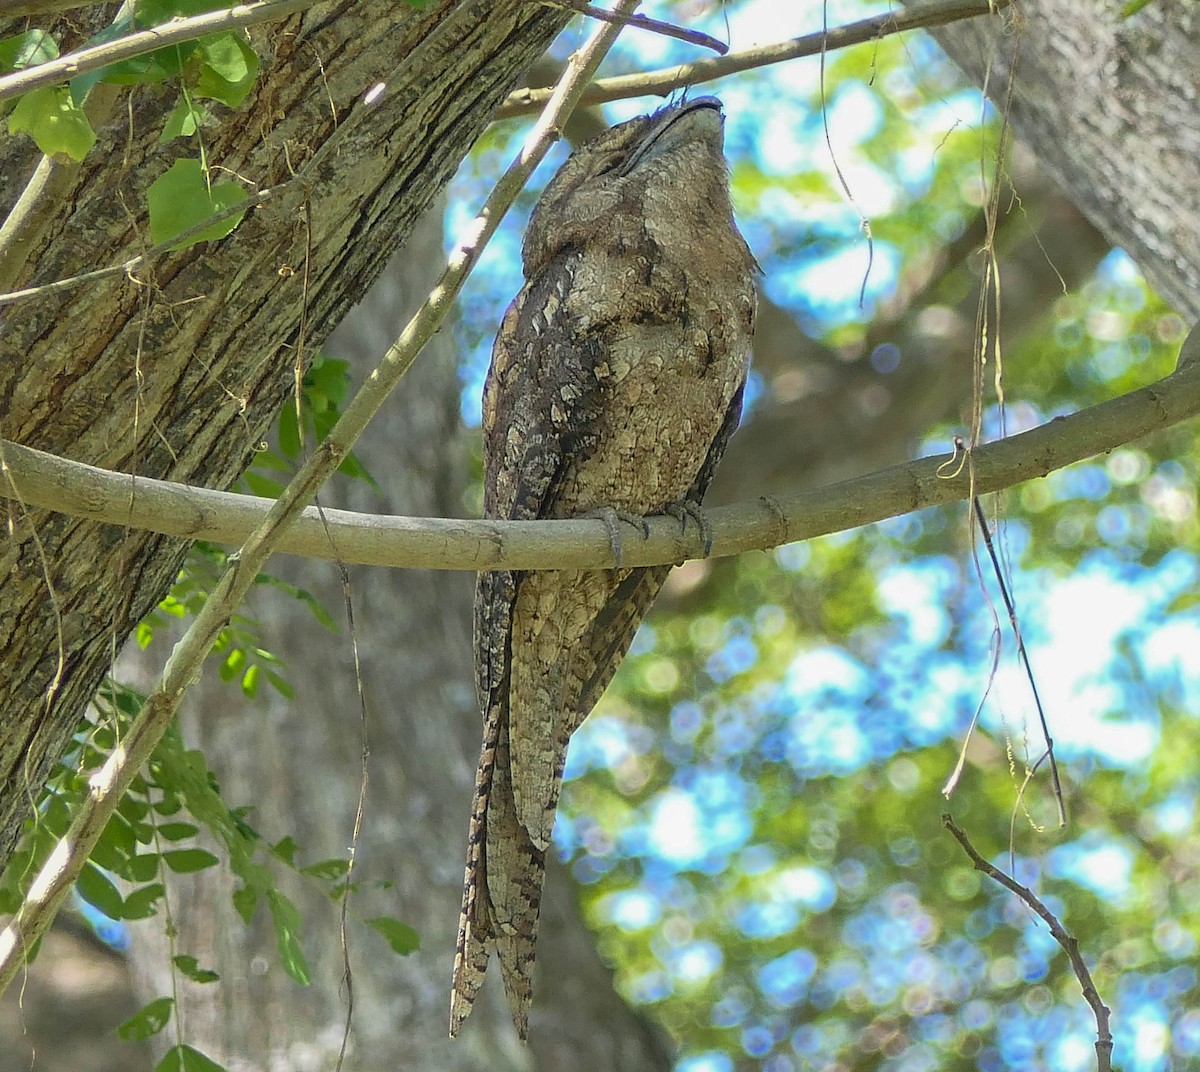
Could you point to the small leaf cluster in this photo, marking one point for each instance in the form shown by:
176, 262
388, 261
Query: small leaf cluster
244, 658
323, 393
172, 804
221, 67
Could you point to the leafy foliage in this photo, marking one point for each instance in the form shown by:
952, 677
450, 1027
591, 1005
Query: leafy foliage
222, 67
301, 426
755, 812
148, 833
184, 197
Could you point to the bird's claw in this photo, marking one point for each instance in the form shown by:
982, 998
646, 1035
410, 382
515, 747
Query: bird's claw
684, 509
612, 523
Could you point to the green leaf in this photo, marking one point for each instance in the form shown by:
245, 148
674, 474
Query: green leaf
232, 666
142, 903
56, 816
262, 485
186, 1059
95, 888
1132, 7
289, 433
135, 811
155, 66
168, 804
185, 861
181, 198
229, 67
148, 1021
173, 607
287, 936
27, 49
245, 901
250, 682
156, 12
177, 831
285, 849
116, 848
280, 684
329, 870
54, 121
144, 867
190, 967
400, 936
183, 122
355, 470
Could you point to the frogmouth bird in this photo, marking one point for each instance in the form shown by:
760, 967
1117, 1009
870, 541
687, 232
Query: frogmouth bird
616, 381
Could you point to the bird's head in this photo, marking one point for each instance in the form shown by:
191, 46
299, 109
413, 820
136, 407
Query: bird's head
677, 153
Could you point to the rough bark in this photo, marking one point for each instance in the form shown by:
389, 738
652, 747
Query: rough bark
1107, 104
178, 372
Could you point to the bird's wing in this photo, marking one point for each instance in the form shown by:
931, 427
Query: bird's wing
534, 421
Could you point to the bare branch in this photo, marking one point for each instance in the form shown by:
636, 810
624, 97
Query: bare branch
109, 784
667, 79
1070, 944
644, 22
438, 543
1015, 625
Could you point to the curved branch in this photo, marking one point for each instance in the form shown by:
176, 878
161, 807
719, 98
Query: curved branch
667, 79
439, 543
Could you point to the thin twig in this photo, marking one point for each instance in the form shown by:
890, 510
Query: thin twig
1016, 628
43, 480
360, 812
667, 79
643, 22
1069, 943
141, 42
109, 784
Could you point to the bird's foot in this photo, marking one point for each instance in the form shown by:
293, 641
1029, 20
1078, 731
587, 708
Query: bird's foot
612, 523
684, 509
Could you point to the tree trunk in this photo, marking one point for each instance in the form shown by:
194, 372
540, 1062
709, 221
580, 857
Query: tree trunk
178, 369
299, 763
1107, 104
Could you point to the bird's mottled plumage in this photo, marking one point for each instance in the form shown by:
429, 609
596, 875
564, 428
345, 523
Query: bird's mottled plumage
616, 381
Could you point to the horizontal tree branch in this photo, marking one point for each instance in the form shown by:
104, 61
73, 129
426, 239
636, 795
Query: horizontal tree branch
42, 480
521, 102
667, 79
